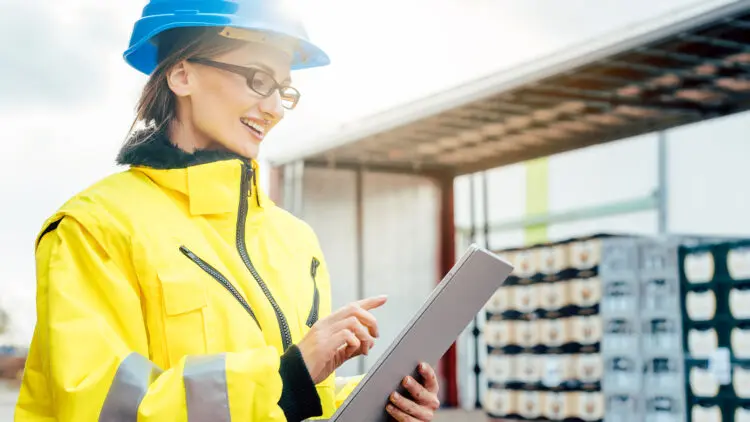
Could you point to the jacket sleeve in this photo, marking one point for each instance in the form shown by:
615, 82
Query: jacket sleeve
89, 358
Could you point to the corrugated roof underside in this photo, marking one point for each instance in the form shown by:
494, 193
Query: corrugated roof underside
696, 75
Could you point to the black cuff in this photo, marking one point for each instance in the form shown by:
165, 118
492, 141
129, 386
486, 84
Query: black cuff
299, 398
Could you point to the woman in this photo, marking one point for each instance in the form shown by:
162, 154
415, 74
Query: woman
176, 290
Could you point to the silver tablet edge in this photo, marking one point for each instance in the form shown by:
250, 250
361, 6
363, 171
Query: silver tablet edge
468, 253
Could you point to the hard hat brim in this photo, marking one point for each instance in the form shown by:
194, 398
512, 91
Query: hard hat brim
142, 55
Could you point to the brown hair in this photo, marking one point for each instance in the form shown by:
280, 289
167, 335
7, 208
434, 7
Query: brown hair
156, 107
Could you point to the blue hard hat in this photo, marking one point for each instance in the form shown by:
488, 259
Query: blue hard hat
267, 16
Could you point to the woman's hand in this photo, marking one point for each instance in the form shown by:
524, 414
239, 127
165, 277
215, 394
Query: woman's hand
346, 333
425, 398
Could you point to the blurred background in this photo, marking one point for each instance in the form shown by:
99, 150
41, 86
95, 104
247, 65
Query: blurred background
598, 145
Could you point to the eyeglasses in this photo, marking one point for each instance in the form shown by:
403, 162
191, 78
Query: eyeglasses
261, 82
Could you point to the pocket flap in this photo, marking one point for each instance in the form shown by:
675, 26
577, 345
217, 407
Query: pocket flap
183, 291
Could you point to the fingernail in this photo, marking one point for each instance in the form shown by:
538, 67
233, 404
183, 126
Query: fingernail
407, 381
396, 395
422, 366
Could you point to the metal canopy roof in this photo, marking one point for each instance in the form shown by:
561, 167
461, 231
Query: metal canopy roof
672, 73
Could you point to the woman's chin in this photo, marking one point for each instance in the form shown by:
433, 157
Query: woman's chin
248, 149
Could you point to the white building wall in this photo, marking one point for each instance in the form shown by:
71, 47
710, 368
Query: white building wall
709, 177
400, 248
604, 174
400, 243
329, 196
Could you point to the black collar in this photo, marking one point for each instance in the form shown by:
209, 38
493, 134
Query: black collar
152, 148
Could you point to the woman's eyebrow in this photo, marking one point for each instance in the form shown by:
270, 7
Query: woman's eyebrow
270, 71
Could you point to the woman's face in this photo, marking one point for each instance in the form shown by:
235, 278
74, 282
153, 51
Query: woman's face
217, 108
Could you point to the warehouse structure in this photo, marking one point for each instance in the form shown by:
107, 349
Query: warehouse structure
384, 193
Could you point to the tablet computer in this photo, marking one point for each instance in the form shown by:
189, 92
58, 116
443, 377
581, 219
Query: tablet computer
437, 324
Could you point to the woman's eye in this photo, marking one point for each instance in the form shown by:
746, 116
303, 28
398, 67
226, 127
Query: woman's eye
262, 83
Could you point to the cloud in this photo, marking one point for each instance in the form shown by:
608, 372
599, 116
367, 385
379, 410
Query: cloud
49, 51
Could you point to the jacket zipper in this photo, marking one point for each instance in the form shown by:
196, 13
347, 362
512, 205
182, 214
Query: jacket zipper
247, 174
313, 317
220, 278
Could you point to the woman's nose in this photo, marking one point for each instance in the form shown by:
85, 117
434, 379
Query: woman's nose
272, 106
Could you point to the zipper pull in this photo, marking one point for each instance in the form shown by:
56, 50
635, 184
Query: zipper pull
314, 267
249, 176
254, 187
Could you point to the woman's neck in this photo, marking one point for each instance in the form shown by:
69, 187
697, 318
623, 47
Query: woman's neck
187, 138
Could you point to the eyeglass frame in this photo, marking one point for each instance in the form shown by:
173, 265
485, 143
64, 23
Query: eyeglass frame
248, 73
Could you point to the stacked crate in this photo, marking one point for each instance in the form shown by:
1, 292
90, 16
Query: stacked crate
594, 324
543, 335
715, 288
643, 375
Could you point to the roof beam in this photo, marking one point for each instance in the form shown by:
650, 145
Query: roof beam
719, 42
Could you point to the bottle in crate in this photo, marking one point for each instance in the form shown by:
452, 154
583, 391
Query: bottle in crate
741, 379
621, 334
552, 261
501, 403
620, 296
585, 295
623, 374
559, 372
589, 369
623, 408
530, 404
739, 339
660, 294
661, 334
658, 257
738, 260
590, 406
702, 302
741, 411
558, 406
710, 410
701, 341
502, 369
619, 258
584, 256
554, 299
530, 370
586, 333
663, 408
664, 375
555, 334
500, 302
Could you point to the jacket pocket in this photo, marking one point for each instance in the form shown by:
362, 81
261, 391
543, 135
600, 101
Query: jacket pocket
218, 277
184, 302
312, 318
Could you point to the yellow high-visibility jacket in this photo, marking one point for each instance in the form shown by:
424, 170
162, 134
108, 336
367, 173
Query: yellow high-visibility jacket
176, 291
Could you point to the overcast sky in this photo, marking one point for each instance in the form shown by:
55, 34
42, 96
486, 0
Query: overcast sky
67, 97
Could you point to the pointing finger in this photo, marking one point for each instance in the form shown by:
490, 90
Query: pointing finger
372, 302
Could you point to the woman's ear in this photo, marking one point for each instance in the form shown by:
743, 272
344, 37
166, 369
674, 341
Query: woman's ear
178, 79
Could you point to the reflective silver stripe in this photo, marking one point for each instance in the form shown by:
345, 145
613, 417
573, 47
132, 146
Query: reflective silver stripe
130, 384
206, 393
